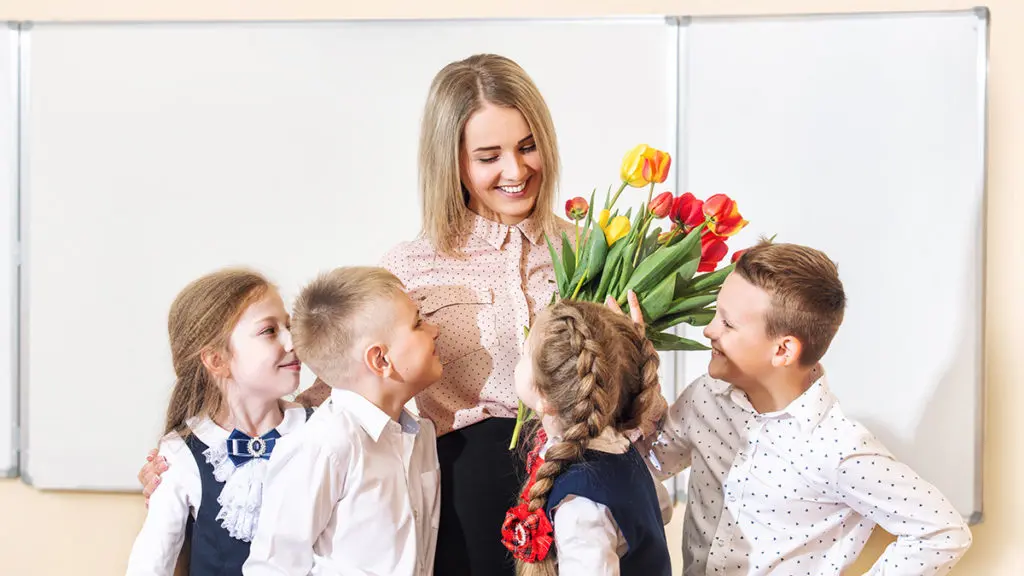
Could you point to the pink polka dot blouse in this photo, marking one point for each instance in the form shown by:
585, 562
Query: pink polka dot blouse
480, 301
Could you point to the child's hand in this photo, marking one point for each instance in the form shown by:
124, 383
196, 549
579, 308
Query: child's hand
149, 476
652, 418
634, 307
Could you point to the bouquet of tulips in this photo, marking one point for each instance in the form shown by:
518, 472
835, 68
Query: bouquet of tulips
673, 272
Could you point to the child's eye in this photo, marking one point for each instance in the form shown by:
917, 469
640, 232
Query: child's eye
269, 330
529, 148
726, 324
487, 160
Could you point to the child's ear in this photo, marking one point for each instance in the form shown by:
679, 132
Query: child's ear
215, 362
542, 407
787, 352
376, 359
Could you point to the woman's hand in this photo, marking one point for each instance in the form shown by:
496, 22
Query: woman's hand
634, 307
149, 476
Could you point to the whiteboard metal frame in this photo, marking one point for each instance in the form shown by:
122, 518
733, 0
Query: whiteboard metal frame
984, 22
24, 74
13, 37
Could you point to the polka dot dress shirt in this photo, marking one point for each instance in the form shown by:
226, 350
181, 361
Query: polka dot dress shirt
798, 491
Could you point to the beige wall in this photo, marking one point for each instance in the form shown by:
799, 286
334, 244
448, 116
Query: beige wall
90, 534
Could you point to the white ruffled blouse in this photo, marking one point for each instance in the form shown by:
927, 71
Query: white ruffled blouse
180, 494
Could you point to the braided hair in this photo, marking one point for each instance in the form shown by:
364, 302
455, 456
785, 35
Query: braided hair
595, 369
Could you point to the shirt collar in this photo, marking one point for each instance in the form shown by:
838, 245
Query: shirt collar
808, 409
495, 233
610, 440
371, 418
210, 433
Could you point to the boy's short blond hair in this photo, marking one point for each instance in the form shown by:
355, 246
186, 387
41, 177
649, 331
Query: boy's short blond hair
333, 311
808, 300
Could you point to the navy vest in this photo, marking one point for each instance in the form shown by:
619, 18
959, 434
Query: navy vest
622, 483
213, 551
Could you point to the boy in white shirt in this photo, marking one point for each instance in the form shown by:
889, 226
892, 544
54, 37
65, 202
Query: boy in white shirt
782, 482
357, 490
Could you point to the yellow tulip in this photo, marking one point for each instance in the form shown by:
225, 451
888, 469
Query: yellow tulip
617, 229
602, 218
633, 165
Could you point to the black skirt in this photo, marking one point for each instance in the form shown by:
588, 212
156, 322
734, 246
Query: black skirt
480, 481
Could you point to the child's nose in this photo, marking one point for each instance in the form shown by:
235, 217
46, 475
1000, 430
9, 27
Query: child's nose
286, 340
708, 332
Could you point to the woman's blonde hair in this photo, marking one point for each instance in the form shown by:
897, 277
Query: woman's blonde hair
595, 369
201, 320
457, 92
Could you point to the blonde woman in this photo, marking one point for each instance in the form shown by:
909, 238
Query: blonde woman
480, 271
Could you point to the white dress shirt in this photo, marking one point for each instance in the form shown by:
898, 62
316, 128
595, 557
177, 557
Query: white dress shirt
587, 538
180, 494
798, 491
352, 493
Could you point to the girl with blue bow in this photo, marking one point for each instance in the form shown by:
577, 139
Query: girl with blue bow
233, 361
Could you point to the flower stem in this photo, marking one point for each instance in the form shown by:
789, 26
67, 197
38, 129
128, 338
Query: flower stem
640, 244
616, 197
577, 242
578, 286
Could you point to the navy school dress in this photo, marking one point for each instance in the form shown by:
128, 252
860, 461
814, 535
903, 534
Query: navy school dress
623, 484
214, 552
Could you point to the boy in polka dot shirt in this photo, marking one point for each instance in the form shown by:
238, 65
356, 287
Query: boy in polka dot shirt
781, 481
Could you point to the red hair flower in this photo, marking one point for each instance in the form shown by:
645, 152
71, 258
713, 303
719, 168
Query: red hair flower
527, 535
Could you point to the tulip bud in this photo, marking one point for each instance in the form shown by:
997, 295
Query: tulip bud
661, 205
633, 166
723, 216
657, 165
687, 212
617, 229
576, 209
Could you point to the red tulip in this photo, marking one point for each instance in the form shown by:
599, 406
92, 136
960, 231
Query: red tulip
661, 206
723, 216
712, 250
576, 209
736, 255
687, 212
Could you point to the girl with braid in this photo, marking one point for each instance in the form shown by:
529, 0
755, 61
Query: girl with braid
589, 505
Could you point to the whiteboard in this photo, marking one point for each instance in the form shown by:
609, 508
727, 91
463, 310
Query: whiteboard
9, 250
809, 123
163, 151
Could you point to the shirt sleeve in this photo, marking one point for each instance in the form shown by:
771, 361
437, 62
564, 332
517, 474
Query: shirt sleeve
931, 534
587, 538
304, 481
159, 542
669, 450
